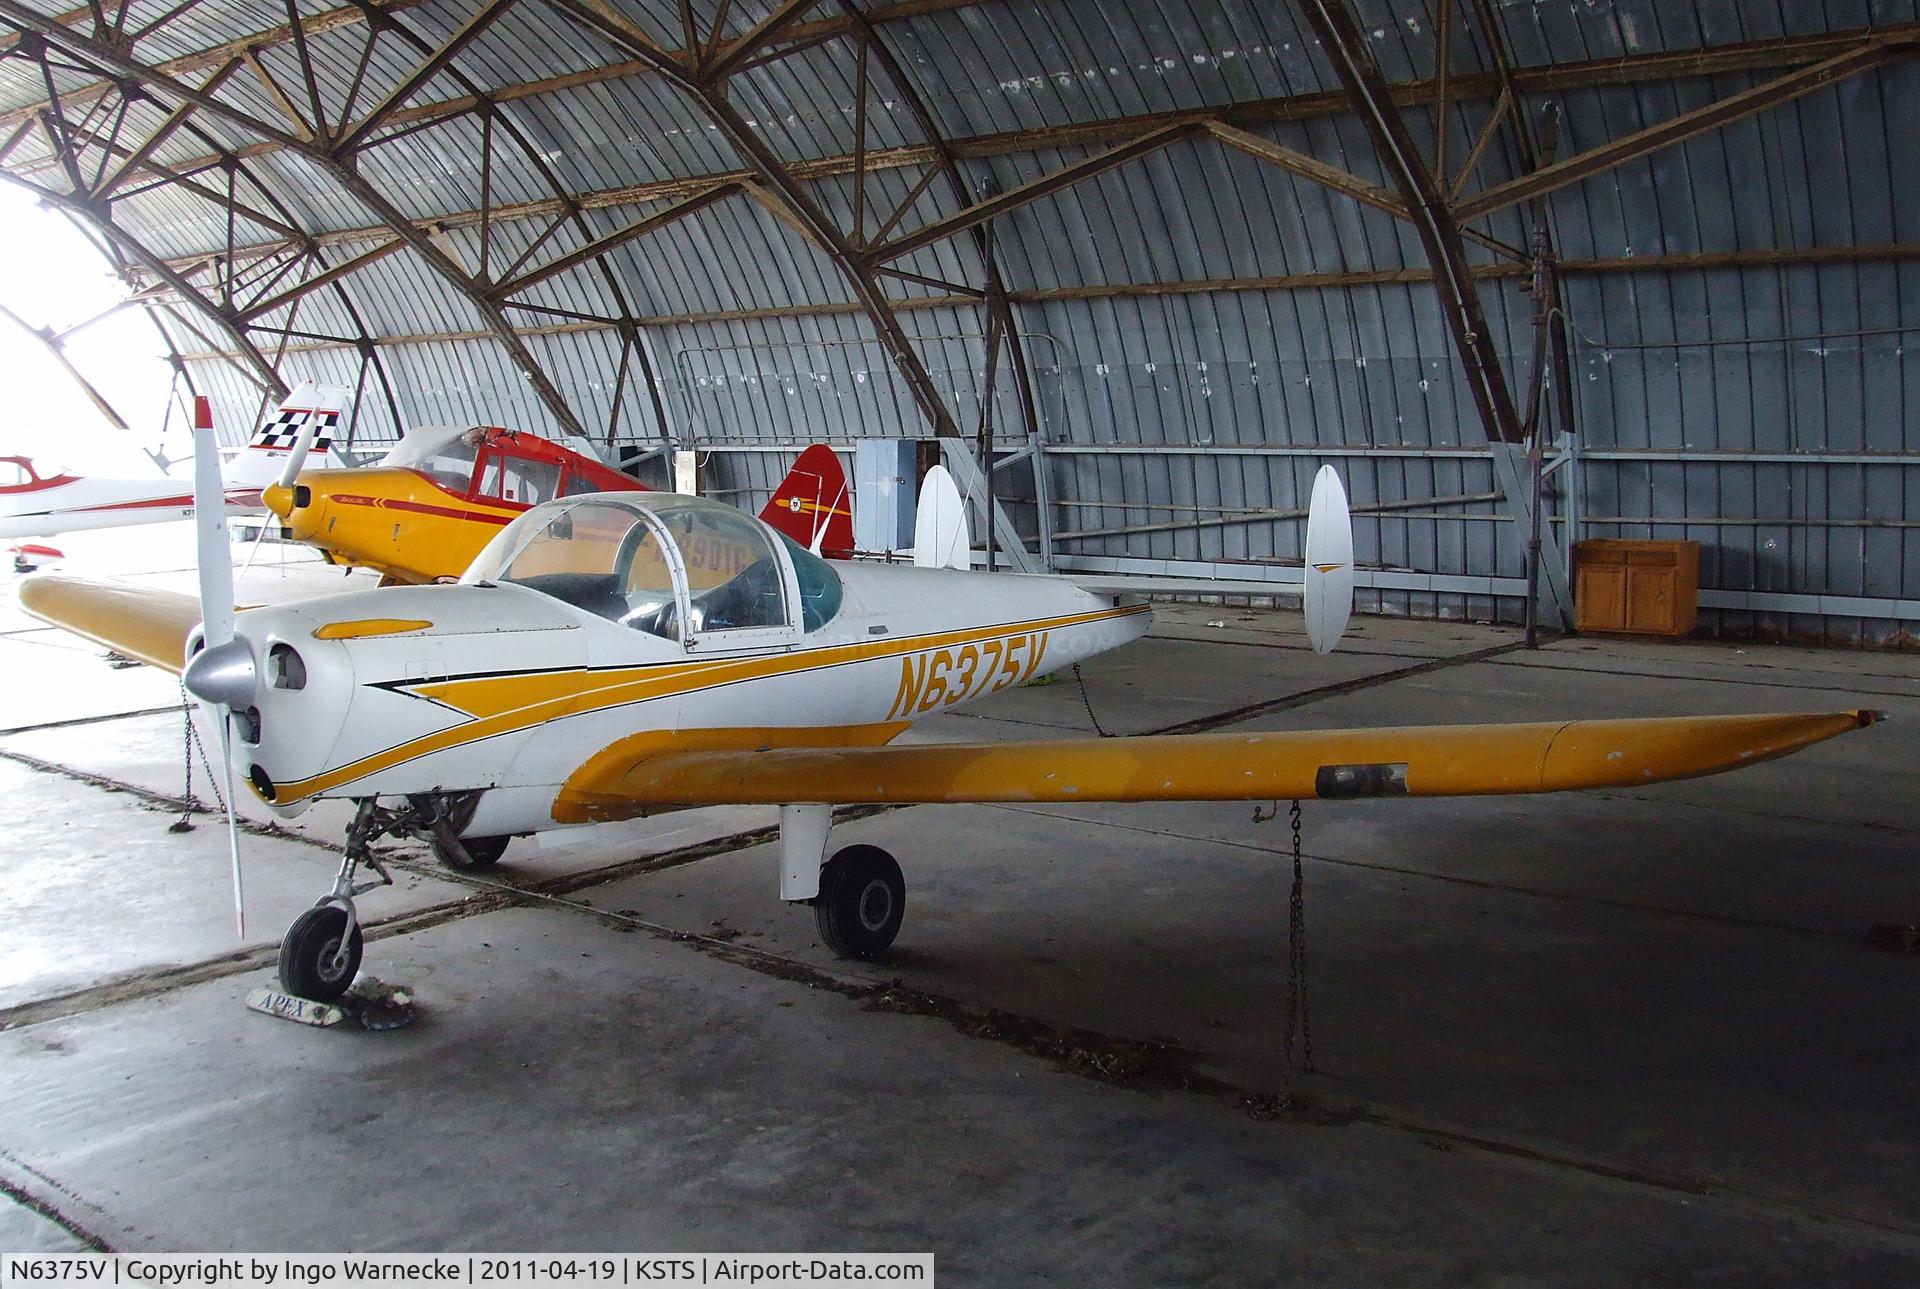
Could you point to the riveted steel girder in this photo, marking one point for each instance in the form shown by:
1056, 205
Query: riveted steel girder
1346, 48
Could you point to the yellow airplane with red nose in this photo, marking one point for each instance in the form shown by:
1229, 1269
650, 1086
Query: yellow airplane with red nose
618, 654
425, 510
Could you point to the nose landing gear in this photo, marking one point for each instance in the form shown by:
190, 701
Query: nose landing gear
321, 951
320, 954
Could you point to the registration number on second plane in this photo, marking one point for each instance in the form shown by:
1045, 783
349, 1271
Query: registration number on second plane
936, 678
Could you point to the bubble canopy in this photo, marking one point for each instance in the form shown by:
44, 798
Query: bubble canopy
670, 565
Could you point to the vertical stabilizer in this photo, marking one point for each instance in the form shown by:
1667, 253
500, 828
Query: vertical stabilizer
812, 504
301, 428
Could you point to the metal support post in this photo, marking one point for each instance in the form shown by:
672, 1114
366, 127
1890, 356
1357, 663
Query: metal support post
1042, 497
1512, 473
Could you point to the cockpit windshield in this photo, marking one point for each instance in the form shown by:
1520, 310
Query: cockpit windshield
609, 558
445, 454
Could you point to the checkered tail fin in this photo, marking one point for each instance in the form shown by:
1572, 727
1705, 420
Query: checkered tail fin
266, 454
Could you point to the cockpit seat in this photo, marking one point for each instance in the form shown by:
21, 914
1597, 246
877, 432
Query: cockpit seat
750, 599
597, 593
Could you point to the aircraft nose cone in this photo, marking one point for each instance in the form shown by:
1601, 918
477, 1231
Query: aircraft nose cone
278, 499
223, 674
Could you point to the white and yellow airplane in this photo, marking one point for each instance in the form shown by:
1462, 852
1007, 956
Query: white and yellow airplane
40, 502
615, 655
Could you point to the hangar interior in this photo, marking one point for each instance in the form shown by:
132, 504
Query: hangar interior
1152, 265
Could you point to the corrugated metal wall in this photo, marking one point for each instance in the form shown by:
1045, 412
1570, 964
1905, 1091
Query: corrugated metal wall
1759, 410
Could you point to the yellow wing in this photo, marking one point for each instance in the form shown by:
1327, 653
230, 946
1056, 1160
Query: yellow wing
1418, 761
152, 626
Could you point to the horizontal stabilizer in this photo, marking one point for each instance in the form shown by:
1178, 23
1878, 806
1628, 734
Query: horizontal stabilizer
1153, 584
1415, 761
152, 626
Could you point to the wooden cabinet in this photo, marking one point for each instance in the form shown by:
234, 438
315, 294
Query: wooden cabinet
1637, 588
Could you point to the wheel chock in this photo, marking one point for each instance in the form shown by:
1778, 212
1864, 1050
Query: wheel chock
376, 1004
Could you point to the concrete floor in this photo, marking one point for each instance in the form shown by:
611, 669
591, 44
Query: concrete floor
1581, 1039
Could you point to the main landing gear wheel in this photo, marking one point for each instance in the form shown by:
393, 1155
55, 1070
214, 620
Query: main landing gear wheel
862, 899
481, 852
311, 965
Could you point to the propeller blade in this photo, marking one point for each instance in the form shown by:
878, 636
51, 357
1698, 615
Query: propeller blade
210, 528
222, 673
233, 828
1329, 561
301, 446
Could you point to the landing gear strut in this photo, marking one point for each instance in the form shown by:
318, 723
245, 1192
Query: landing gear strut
467, 854
321, 952
445, 816
858, 896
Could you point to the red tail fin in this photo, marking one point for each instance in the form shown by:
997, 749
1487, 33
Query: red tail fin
812, 504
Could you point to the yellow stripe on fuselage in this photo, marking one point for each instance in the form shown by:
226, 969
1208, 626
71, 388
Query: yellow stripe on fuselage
486, 696
511, 703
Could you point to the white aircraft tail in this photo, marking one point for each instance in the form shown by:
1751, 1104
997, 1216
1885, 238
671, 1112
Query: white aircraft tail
1329, 561
940, 538
311, 409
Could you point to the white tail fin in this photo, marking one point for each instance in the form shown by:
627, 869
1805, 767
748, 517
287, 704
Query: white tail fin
940, 537
311, 406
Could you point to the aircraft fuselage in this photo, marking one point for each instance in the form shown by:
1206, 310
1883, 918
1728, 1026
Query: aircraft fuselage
507, 691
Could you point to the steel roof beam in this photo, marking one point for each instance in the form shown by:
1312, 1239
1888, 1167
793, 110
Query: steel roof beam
620, 237
764, 33
1869, 55
57, 351
1299, 163
606, 21
141, 154
471, 30
1896, 252
1346, 48
324, 279
1636, 69
1034, 190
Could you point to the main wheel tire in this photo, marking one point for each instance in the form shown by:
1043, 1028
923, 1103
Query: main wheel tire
482, 852
862, 899
307, 954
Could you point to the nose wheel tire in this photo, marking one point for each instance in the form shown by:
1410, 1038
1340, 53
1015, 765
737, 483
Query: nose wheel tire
862, 899
481, 853
311, 965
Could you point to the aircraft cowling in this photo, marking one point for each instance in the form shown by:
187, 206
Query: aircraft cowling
391, 520
383, 709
